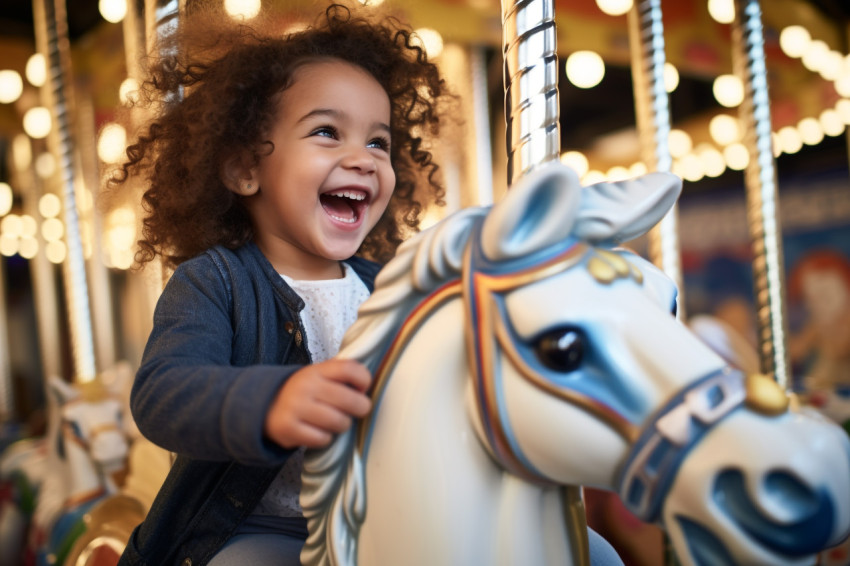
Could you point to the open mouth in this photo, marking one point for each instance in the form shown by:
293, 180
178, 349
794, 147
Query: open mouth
345, 205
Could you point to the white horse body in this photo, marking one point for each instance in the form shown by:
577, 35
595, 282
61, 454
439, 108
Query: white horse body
518, 354
441, 448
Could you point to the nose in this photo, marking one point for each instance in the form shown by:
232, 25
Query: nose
360, 159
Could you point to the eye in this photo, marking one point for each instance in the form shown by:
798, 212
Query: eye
561, 349
325, 131
380, 143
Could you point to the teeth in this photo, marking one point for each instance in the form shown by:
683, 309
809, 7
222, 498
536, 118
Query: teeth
344, 220
349, 195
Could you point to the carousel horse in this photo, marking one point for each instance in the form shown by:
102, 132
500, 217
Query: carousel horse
22, 470
88, 452
519, 353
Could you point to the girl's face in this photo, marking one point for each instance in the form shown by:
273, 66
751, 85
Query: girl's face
329, 178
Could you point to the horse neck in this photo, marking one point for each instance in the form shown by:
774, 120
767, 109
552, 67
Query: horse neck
426, 436
84, 479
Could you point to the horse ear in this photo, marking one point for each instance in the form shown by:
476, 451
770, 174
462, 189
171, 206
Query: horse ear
618, 212
538, 211
61, 390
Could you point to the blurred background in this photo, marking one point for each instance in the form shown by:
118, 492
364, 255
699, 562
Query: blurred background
808, 74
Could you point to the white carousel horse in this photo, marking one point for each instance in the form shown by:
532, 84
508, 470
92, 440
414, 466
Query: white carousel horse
88, 450
517, 353
22, 471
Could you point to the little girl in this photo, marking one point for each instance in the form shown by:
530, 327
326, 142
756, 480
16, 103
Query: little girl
284, 162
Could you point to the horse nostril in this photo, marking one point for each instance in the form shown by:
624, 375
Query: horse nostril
807, 515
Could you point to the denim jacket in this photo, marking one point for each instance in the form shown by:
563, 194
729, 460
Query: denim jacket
226, 336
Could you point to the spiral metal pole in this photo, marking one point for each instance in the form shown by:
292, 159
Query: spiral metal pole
529, 47
51, 30
652, 108
761, 190
531, 85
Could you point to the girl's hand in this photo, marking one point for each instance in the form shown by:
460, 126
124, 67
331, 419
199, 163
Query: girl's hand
318, 401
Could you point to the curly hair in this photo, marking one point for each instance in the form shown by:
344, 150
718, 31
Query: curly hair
230, 80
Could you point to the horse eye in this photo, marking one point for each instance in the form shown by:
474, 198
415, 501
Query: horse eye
561, 349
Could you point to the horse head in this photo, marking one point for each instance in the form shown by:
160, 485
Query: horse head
92, 418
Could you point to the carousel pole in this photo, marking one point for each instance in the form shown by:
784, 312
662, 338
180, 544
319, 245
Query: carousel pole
529, 48
761, 191
652, 108
51, 27
531, 85
7, 391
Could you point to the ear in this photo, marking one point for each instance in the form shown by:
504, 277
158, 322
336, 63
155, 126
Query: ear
62, 391
538, 211
239, 177
623, 210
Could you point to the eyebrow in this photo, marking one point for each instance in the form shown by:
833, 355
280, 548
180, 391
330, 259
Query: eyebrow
338, 115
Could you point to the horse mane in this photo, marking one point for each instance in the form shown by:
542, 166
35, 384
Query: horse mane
333, 488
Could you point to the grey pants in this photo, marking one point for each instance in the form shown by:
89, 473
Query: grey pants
281, 550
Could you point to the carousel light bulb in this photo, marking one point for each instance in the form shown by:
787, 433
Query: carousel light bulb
831, 122
37, 122
11, 225
7, 198
113, 11
111, 143
29, 227
8, 245
28, 247
45, 165
576, 161
832, 65
242, 9
790, 140
691, 168
36, 70
128, 92
55, 251
728, 90
712, 160
11, 86
810, 130
671, 77
431, 40
842, 85
724, 129
617, 173
585, 69
680, 143
49, 205
737, 156
722, 11
615, 7
793, 40
843, 109
371, 3
21, 152
816, 53
592, 177
637, 169
52, 230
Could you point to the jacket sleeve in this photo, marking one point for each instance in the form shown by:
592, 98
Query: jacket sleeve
187, 397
